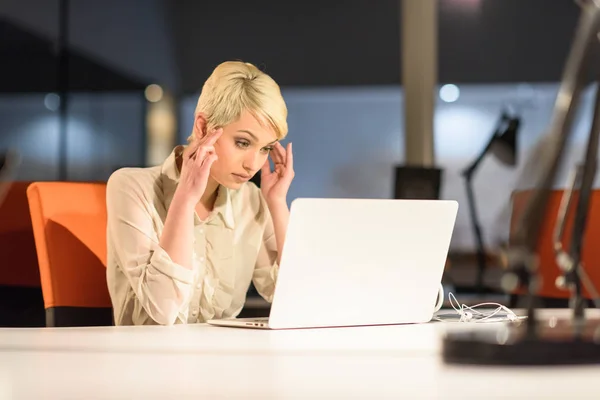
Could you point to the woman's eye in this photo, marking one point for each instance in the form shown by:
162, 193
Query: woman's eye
267, 149
242, 144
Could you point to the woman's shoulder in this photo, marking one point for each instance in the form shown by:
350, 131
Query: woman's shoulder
133, 180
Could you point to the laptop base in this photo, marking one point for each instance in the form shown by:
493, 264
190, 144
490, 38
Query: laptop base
254, 323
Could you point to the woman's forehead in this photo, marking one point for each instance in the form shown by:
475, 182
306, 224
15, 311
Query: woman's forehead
259, 130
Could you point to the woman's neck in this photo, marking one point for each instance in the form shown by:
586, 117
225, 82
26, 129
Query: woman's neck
210, 194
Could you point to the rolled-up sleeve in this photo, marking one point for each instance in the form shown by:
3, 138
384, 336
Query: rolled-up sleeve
161, 287
266, 269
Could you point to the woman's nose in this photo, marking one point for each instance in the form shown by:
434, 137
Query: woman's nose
251, 163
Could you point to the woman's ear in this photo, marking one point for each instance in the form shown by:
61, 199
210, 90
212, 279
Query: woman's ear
200, 125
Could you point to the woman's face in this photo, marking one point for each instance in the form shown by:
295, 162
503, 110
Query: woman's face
243, 149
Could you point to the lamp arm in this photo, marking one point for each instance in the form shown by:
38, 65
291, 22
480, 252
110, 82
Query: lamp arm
521, 261
468, 172
587, 171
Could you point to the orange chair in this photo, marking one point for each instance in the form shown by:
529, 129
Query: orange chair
21, 302
548, 268
17, 246
69, 226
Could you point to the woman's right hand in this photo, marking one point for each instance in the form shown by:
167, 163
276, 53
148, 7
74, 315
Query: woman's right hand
198, 157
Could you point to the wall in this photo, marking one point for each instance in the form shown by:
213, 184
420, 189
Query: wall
103, 132
347, 141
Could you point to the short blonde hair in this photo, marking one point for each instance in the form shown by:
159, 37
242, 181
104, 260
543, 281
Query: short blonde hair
236, 86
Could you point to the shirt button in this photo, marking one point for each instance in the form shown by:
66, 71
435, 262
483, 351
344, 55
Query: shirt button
201, 231
194, 313
201, 259
198, 285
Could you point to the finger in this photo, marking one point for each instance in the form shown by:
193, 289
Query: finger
213, 137
279, 154
208, 162
281, 151
286, 169
278, 161
202, 153
289, 159
206, 136
191, 149
274, 156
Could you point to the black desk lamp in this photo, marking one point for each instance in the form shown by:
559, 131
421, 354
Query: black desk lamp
503, 145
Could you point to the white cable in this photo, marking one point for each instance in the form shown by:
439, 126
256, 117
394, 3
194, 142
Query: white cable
473, 315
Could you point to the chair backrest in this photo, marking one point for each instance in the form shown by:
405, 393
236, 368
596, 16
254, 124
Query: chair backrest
19, 265
69, 226
548, 267
9, 161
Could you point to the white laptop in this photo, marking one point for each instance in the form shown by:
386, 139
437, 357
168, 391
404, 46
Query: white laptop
354, 262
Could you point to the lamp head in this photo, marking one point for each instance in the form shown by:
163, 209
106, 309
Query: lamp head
504, 146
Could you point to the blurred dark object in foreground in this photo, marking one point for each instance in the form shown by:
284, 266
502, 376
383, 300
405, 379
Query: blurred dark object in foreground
539, 341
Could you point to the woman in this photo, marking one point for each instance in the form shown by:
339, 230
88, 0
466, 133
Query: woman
185, 239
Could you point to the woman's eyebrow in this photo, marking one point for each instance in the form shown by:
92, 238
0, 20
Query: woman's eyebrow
249, 133
254, 136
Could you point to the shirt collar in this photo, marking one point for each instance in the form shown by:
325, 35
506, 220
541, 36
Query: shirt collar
224, 206
170, 178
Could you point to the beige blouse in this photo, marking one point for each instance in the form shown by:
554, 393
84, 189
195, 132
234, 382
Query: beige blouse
233, 247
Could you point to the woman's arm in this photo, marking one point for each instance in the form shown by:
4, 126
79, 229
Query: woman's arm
274, 187
158, 269
177, 237
178, 234
280, 214
268, 259
161, 286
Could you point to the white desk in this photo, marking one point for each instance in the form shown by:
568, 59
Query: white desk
201, 362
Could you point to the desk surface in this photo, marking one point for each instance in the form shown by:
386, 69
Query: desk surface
201, 361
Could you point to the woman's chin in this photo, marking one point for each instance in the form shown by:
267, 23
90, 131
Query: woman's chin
234, 186
231, 184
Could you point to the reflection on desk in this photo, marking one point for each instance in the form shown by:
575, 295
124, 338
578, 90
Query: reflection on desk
202, 361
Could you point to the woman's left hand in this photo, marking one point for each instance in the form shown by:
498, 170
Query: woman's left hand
275, 184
